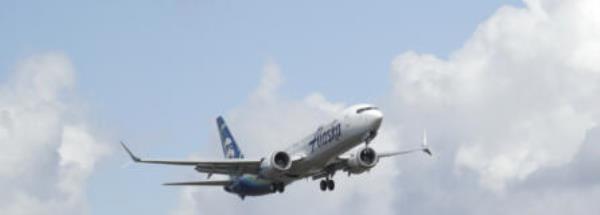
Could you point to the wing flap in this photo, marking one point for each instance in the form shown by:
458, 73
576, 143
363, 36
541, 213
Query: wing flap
230, 167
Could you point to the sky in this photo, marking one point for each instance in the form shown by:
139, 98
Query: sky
508, 92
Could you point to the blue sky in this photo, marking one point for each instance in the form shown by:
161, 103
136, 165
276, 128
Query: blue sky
157, 73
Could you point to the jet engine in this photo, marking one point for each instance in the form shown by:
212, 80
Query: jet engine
276, 165
365, 159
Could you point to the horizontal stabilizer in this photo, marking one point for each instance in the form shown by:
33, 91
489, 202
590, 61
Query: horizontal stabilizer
200, 183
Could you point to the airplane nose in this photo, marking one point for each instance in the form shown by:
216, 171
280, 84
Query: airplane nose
376, 117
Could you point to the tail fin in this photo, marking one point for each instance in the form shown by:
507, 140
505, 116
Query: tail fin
230, 147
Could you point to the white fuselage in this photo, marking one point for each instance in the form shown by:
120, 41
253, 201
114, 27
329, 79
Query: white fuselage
312, 155
329, 141
317, 156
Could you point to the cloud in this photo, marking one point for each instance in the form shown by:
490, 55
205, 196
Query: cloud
520, 93
47, 150
512, 115
269, 83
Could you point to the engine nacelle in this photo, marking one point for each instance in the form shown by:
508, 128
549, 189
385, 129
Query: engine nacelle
276, 165
365, 159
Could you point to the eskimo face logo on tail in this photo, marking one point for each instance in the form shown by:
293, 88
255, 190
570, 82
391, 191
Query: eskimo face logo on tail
230, 151
230, 148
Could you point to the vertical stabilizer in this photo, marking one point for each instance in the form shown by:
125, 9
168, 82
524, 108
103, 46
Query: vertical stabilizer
230, 147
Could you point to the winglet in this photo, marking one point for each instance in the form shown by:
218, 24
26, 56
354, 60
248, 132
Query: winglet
425, 147
133, 157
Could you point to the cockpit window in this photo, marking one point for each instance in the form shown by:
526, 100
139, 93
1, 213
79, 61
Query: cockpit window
360, 110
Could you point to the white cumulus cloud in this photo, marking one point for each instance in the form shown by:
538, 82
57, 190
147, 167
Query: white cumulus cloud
521, 93
47, 152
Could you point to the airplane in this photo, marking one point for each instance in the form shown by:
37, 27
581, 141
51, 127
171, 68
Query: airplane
318, 156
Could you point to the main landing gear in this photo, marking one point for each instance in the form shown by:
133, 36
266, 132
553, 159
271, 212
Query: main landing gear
278, 187
327, 184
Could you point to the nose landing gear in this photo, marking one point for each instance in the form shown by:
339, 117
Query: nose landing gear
369, 136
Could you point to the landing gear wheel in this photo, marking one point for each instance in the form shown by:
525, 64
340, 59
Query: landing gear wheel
330, 185
323, 185
278, 187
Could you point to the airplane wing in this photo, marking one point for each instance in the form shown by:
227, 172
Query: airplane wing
200, 183
390, 154
424, 148
341, 162
232, 167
